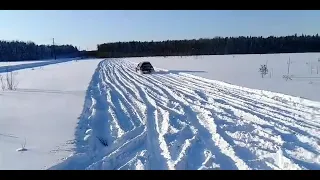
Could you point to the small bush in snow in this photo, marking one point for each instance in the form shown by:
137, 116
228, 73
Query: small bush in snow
12, 83
288, 77
9, 82
263, 70
3, 84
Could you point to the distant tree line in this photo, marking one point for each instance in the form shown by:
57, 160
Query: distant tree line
20, 51
214, 46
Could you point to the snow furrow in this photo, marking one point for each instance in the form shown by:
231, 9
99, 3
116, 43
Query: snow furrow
193, 118
241, 92
264, 109
130, 105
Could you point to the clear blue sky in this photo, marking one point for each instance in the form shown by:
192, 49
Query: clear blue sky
89, 28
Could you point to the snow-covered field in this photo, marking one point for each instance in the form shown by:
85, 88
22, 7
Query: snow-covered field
106, 116
243, 70
43, 111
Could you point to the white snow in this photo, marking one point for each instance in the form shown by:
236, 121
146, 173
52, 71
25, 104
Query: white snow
44, 110
242, 70
101, 114
172, 120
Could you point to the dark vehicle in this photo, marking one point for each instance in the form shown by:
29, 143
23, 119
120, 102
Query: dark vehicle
145, 67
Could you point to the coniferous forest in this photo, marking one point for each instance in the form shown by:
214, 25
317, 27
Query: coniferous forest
214, 46
20, 51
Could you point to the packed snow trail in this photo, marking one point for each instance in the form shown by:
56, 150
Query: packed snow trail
180, 121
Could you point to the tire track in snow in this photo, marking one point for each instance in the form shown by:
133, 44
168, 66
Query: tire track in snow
162, 80
297, 142
116, 102
249, 95
180, 121
152, 85
251, 112
294, 124
231, 95
153, 146
191, 115
127, 99
156, 160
